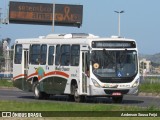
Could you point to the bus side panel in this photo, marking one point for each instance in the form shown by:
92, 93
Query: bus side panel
54, 85
50, 81
19, 74
19, 80
22, 84
73, 75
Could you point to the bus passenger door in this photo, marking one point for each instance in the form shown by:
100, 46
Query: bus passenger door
26, 62
85, 72
26, 54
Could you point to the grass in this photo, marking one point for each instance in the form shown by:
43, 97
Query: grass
67, 106
6, 83
80, 109
150, 88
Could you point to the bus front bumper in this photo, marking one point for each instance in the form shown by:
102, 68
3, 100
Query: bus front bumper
95, 91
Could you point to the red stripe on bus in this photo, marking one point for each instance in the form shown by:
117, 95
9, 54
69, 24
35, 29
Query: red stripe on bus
57, 73
21, 75
32, 75
47, 74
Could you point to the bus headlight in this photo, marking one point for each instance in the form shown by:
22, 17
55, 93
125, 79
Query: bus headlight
136, 83
96, 84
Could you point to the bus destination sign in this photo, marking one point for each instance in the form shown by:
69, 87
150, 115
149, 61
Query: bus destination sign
113, 44
42, 13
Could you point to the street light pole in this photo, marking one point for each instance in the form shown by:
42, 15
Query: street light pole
119, 22
0, 16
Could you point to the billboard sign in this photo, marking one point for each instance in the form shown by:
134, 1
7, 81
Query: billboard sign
42, 13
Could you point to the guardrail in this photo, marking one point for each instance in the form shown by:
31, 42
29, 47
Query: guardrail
150, 79
6, 76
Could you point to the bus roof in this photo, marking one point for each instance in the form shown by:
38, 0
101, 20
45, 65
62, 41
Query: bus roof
74, 38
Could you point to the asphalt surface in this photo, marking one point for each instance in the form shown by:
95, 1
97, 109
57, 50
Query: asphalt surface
18, 95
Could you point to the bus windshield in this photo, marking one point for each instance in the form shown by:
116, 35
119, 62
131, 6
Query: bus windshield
114, 64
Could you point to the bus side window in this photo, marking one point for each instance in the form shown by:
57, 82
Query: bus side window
18, 54
43, 54
75, 54
65, 55
35, 54
58, 52
51, 55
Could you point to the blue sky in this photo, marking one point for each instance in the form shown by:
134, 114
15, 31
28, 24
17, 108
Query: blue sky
141, 21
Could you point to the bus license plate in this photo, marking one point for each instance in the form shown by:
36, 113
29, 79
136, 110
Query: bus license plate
116, 94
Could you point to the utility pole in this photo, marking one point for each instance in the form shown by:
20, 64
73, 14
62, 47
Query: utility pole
0, 16
119, 21
6, 54
53, 22
0, 40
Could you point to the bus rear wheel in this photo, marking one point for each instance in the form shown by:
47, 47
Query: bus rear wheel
37, 93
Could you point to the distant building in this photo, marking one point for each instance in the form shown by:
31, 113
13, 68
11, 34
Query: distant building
156, 70
145, 66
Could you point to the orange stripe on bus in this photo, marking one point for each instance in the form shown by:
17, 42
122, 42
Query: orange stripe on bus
57, 73
32, 75
47, 74
19, 76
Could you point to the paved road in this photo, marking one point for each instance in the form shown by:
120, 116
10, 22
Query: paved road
18, 95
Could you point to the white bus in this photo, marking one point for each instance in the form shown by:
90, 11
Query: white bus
79, 65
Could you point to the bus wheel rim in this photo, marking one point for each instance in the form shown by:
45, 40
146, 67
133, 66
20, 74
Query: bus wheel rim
36, 91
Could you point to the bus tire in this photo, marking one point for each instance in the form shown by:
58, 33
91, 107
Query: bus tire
37, 93
117, 99
71, 98
77, 97
45, 95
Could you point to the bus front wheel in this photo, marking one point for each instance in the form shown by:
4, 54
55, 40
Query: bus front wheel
77, 97
117, 99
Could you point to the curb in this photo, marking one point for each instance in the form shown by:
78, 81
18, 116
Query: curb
8, 88
149, 94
